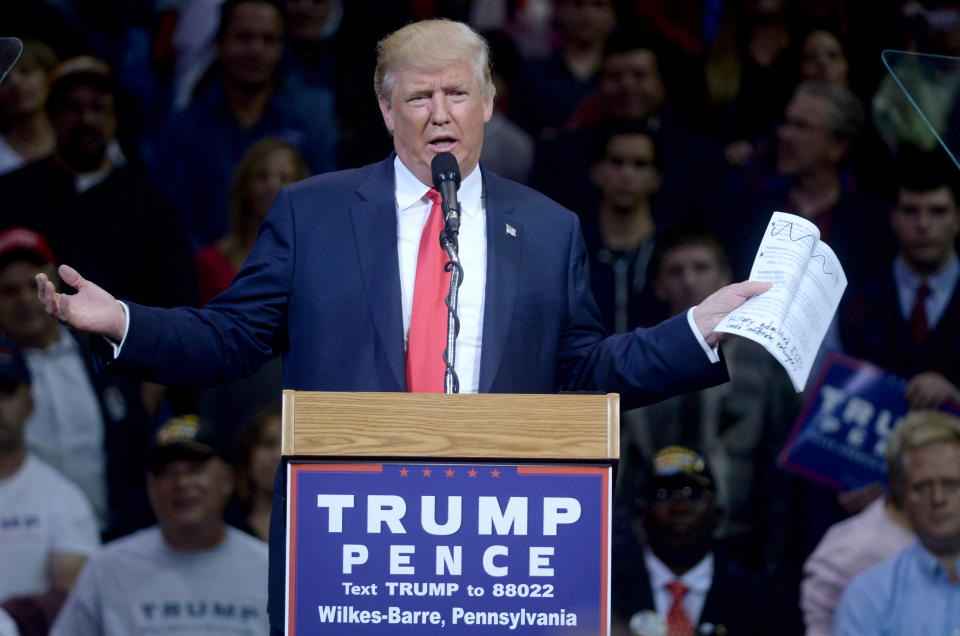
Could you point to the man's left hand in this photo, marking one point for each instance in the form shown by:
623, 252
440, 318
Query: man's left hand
720, 303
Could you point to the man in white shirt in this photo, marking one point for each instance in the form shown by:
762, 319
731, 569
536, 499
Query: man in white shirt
47, 528
191, 573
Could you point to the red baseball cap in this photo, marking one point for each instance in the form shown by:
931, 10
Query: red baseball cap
29, 242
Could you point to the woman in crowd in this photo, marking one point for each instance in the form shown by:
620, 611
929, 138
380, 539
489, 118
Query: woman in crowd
27, 134
265, 167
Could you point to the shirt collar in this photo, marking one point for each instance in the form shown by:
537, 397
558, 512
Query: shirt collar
941, 283
698, 578
411, 191
930, 563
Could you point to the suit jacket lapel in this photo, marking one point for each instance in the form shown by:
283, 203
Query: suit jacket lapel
375, 233
504, 241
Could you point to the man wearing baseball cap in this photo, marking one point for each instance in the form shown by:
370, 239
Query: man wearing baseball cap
679, 583
191, 573
48, 528
90, 427
93, 204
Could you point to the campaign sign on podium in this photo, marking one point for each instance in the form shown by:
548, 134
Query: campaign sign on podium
447, 548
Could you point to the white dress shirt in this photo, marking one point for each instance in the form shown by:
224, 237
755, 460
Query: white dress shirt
698, 580
413, 208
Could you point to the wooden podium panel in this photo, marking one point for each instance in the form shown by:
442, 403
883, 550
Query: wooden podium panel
494, 426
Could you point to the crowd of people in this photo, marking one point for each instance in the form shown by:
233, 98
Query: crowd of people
144, 143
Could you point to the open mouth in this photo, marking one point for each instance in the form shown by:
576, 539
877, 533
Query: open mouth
442, 144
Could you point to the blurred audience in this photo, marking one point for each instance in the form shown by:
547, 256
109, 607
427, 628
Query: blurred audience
507, 148
854, 545
631, 88
27, 134
192, 155
907, 319
48, 528
256, 457
680, 582
748, 74
94, 207
191, 573
620, 237
549, 90
91, 427
915, 591
738, 426
264, 168
820, 124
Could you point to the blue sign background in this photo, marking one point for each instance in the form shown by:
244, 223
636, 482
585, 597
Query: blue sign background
839, 438
580, 560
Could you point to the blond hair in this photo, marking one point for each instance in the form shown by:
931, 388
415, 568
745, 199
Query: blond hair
431, 45
917, 429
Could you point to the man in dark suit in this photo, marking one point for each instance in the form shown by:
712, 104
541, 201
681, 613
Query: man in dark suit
679, 584
907, 320
330, 283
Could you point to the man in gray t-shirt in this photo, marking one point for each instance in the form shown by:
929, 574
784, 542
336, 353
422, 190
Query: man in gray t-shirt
190, 574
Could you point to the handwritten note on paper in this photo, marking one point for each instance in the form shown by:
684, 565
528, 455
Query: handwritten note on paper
791, 319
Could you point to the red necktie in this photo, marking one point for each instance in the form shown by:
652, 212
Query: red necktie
918, 317
428, 320
678, 622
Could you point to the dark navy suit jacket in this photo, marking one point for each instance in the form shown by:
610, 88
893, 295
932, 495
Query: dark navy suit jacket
322, 289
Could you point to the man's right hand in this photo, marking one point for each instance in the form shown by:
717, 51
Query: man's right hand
91, 309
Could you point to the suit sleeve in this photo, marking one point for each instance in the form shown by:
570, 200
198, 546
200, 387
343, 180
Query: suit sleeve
233, 335
644, 365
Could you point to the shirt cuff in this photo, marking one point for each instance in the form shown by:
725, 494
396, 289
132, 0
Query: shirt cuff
126, 328
713, 353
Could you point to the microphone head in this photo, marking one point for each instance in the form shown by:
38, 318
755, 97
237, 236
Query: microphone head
444, 168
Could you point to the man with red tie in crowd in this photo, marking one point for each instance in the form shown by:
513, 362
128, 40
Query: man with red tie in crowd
334, 283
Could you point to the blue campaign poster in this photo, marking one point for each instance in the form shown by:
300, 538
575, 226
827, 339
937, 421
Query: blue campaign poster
840, 436
429, 548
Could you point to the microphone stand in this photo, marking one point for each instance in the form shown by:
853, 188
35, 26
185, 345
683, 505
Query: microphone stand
449, 243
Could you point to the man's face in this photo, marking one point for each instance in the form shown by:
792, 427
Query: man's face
21, 314
626, 175
680, 520
932, 499
84, 124
190, 494
926, 224
433, 111
805, 140
16, 406
251, 44
630, 84
687, 275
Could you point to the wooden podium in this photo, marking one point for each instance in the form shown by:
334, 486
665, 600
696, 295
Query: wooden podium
448, 514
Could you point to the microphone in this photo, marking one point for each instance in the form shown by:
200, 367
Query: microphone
446, 180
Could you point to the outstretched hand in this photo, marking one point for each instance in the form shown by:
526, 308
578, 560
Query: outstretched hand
708, 314
91, 309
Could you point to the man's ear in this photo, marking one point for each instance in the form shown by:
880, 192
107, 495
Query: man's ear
387, 113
